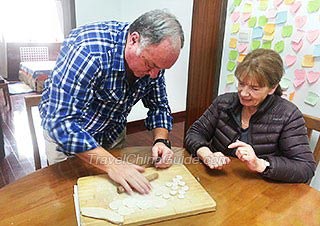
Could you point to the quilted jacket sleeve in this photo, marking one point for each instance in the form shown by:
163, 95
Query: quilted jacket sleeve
296, 164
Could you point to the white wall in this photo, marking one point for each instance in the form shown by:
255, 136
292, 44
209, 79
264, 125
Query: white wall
126, 10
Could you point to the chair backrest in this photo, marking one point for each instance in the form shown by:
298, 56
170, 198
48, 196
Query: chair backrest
32, 101
313, 124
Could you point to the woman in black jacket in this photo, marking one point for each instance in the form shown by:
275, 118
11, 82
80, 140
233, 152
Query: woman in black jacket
265, 131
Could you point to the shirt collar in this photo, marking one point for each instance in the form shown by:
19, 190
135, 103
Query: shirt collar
119, 46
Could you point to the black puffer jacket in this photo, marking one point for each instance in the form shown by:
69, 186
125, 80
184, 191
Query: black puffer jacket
277, 133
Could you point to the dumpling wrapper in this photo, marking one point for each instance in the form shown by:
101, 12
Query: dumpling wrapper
102, 213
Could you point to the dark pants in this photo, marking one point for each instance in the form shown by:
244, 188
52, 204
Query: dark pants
2, 154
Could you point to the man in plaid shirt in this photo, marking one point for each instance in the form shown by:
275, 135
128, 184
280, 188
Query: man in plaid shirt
103, 69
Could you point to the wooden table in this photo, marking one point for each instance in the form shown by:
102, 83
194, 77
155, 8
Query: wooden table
243, 198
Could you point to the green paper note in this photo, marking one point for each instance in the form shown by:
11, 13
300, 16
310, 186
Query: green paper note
247, 8
266, 45
237, 2
263, 5
252, 22
233, 54
279, 46
263, 20
230, 79
235, 28
255, 44
231, 65
312, 98
313, 6
287, 31
285, 83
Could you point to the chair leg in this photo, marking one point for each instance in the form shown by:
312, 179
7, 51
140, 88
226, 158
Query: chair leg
7, 96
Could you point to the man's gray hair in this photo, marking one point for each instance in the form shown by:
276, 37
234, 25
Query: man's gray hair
155, 26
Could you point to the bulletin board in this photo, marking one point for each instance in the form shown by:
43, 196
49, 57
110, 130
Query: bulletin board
291, 28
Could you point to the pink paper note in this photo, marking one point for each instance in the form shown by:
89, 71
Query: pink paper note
312, 76
312, 35
300, 74
295, 7
235, 16
297, 82
297, 46
300, 21
277, 3
245, 17
297, 37
242, 48
290, 60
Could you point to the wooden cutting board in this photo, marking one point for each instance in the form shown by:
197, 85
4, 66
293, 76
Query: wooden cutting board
99, 191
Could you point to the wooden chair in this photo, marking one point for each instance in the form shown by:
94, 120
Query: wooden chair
32, 101
313, 123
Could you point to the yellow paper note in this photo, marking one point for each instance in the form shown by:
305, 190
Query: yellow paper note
291, 96
288, 2
247, 8
230, 79
241, 57
308, 61
267, 37
269, 28
233, 43
235, 28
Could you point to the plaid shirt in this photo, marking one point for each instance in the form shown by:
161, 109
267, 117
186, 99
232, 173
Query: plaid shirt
87, 98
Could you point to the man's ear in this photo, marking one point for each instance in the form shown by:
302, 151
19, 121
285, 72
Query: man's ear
273, 90
134, 38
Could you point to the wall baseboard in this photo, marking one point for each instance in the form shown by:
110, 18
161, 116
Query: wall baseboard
137, 126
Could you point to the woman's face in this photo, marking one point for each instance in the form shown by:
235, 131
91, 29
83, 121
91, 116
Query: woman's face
251, 94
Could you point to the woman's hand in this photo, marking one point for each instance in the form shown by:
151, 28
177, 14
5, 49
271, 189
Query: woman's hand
247, 155
214, 160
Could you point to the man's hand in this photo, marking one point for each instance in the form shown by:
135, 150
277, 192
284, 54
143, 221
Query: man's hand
247, 155
215, 160
162, 156
126, 174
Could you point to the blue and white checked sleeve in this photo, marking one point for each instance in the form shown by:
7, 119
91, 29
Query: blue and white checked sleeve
159, 114
71, 90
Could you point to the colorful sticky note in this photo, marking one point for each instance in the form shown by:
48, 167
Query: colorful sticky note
287, 31
272, 13
245, 17
266, 45
233, 54
247, 8
237, 2
230, 79
263, 20
297, 46
233, 43
316, 51
300, 74
268, 37
244, 36
313, 6
297, 36
288, 2
285, 83
295, 7
300, 21
235, 28
242, 47
257, 33
231, 65
290, 60
241, 57
269, 28
235, 16
281, 17
252, 22
291, 95
313, 76
312, 35
255, 44
312, 98
279, 47
308, 61
263, 5
277, 3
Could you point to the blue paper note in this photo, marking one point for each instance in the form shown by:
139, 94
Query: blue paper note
316, 51
281, 17
257, 33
